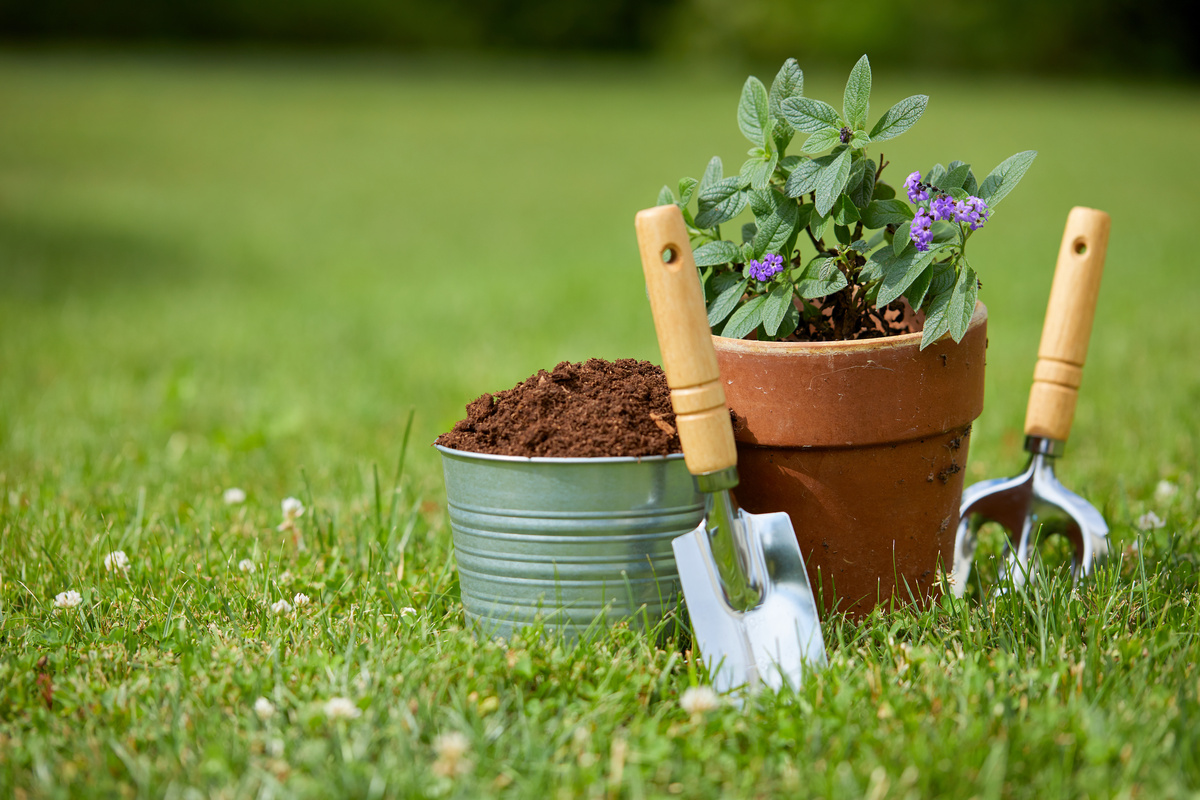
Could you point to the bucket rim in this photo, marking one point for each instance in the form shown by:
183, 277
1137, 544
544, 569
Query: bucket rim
467, 455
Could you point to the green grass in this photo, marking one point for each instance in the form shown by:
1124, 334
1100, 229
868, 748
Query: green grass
247, 273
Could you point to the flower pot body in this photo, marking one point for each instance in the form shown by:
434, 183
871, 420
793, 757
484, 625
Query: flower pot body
863, 444
570, 543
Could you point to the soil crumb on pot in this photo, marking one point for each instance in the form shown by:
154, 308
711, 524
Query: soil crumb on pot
594, 409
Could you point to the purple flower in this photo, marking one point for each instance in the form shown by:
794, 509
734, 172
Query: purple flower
917, 191
764, 270
973, 211
921, 230
942, 207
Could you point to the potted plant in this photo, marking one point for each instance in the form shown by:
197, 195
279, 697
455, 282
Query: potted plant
847, 330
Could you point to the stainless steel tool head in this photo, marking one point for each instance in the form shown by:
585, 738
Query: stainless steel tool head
1029, 506
1034, 504
772, 642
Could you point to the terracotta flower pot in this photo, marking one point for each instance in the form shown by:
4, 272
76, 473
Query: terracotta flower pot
863, 444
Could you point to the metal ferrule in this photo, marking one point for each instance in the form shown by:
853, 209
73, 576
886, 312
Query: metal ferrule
1040, 445
720, 480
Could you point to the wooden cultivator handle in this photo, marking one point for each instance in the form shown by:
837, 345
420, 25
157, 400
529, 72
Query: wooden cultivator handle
685, 340
1068, 325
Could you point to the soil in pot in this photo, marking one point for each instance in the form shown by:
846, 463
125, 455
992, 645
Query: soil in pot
593, 409
564, 495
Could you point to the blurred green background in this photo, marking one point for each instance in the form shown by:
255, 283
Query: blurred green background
239, 240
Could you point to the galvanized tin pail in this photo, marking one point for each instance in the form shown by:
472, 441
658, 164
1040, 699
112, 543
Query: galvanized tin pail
569, 541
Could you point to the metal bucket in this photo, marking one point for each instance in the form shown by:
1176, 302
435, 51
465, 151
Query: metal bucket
571, 542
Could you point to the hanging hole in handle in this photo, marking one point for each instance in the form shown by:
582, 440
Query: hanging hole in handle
670, 257
1080, 246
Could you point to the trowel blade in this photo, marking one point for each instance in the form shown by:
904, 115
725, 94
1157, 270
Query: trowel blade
772, 643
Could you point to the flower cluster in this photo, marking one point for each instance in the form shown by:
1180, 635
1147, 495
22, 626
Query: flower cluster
943, 208
770, 266
117, 561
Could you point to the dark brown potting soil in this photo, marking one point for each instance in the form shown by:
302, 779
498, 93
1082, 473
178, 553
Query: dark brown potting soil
594, 409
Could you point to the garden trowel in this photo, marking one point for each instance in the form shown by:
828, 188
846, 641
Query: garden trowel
753, 615
1034, 502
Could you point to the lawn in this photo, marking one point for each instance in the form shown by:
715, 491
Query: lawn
250, 272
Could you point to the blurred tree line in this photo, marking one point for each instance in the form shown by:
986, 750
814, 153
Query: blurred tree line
1145, 36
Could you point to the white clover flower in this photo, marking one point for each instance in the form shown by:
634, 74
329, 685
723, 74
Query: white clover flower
282, 607
264, 708
233, 496
408, 611
68, 599
301, 599
341, 708
699, 699
247, 566
451, 749
293, 509
1165, 491
286, 577
1150, 521
117, 561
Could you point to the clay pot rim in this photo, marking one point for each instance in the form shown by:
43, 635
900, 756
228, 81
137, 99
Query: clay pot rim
450, 451
831, 348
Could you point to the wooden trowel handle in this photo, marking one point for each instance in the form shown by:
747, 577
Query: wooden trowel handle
1068, 325
685, 340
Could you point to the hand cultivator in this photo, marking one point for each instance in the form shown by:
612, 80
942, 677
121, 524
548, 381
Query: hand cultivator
1034, 503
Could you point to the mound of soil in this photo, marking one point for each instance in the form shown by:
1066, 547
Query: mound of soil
594, 409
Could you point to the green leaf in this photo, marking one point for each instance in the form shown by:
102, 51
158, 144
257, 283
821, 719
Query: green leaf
791, 321
1004, 178
831, 181
937, 319
719, 283
962, 302
856, 101
720, 202
859, 140
714, 253
915, 293
752, 111
809, 116
775, 308
804, 176
712, 173
880, 213
665, 197
842, 233
789, 163
944, 277
775, 228
883, 191
861, 185
821, 141
820, 278
956, 175
758, 171
900, 271
935, 175
789, 82
745, 319
899, 118
818, 223
726, 301
903, 238
844, 211
748, 231
687, 188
